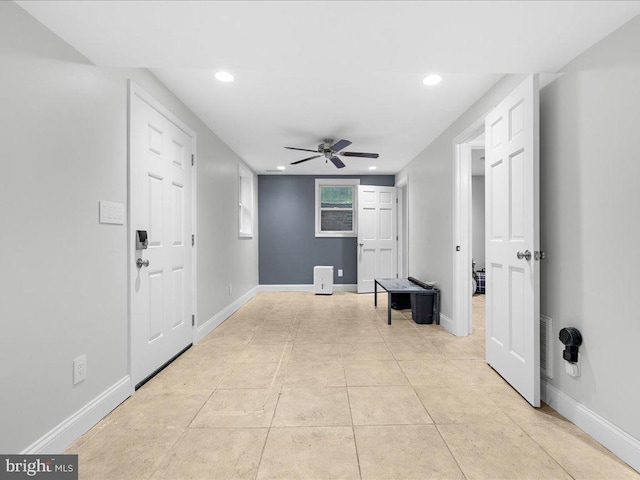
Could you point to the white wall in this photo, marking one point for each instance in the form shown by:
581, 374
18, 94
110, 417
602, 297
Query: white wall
589, 171
430, 175
477, 220
590, 226
63, 281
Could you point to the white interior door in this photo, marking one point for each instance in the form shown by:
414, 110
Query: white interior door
161, 204
513, 280
377, 235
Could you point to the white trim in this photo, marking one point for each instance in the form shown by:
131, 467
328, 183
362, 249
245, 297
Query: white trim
64, 434
207, 327
403, 233
341, 287
337, 182
244, 172
612, 437
137, 90
462, 145
447, 323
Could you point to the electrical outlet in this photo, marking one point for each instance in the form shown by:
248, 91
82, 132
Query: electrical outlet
339, 272
230, 289
79, 369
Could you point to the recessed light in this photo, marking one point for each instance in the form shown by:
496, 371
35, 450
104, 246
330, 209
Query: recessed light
224, 77
432, 79
281, 167
372, 168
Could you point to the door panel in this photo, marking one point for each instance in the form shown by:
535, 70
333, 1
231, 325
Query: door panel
161, 203
377, 235
512, 296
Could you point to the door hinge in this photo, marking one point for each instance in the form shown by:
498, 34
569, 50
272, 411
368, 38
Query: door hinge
193, 320
539, 255
193, 240
457, 248
396, 238
396, 199
193, 159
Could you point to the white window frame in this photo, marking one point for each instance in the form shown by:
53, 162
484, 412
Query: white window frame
245, 201
337, 182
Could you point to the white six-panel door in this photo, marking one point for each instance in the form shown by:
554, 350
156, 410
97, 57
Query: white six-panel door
377, 230
512, 298
161, 204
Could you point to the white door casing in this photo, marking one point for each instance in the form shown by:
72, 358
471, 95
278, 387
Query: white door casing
512, 226
462, 231
161, 202
402, 189
377, 235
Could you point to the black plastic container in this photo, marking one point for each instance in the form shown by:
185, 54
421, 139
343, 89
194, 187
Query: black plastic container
425, 308
400, 301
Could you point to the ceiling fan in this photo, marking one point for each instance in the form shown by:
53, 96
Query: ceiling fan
331, 150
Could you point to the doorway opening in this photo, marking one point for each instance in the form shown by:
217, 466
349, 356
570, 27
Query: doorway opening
469, 232
478, 305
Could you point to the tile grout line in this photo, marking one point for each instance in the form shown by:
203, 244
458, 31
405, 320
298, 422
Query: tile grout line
266, 438
275, 408
155, 470
353, 428
541, 447
455, 459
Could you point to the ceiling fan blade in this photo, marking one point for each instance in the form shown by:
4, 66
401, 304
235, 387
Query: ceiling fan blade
301, 149
360, 154
340, 145
305, 159
337, 162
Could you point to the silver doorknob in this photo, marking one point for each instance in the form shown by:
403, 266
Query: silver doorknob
526, 255
142, 263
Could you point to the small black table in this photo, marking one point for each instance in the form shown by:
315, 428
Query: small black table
394, 285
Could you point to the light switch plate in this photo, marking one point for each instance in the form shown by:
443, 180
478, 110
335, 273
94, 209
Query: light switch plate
79, 369
111, 213
339, 272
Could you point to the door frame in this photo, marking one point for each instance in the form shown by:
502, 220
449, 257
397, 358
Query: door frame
402, 212
136, 90
462, 230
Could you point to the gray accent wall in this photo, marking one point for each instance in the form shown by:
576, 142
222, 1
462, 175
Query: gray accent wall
589, 222
288, 247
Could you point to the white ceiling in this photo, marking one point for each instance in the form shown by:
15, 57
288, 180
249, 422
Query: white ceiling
343, 69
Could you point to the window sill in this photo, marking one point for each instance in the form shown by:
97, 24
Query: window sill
336, 235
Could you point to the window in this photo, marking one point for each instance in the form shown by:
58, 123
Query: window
336, 207
245, 195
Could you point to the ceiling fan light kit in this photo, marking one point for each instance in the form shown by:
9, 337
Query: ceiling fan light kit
330, 152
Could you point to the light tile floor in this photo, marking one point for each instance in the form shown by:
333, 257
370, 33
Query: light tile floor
297, 386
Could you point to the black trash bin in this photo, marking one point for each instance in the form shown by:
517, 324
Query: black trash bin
400, 301
425, 308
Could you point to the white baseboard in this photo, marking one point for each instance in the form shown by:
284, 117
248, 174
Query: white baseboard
618, 441
64, 434
447, 323
341, 287
207, 327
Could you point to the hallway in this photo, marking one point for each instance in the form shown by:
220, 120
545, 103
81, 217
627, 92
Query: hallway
295, 385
